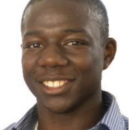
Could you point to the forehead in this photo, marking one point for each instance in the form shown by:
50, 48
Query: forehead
58, 15
63, 9
62, 5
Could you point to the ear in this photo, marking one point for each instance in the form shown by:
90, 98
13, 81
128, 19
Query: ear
109, 52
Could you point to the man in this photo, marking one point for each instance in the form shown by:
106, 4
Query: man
65, 49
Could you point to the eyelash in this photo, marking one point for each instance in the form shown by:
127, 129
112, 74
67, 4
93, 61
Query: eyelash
35, 45
68, 43
76, 43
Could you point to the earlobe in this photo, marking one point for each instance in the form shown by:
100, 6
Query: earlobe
109, 52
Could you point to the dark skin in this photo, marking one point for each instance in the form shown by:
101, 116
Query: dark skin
63, 43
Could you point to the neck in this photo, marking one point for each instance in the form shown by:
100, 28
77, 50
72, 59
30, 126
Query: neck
84, 117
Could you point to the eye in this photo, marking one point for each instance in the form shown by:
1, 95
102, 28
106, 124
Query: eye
36, 45
75, 43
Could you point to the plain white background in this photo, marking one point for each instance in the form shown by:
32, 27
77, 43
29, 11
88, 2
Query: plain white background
16, 99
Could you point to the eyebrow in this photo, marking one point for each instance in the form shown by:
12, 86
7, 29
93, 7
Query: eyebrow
74, 31
39, 32
32, 33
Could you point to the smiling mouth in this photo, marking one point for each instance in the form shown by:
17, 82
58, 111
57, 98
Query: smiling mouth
55, 84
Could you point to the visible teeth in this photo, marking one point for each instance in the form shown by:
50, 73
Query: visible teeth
54, 84
45, 83
62, 83
50, 83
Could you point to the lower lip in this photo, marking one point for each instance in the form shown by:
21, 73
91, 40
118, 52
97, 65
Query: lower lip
58, 90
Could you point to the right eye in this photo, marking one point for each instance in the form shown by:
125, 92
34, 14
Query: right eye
35, 45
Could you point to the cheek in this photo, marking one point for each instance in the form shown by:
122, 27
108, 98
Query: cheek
28, 62
28, 65
82, 62
89, 66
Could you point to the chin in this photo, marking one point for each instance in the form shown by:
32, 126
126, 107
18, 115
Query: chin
59, 107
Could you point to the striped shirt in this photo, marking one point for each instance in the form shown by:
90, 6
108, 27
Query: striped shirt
112, 119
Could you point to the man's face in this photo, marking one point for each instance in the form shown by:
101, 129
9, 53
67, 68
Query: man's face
62, 55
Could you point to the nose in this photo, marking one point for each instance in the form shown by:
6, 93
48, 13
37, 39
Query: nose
52, 57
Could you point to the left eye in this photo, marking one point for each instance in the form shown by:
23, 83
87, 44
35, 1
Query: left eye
75, 43
36, 45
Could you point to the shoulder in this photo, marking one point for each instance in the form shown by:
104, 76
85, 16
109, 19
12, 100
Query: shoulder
10, 127
27, 121
126, 121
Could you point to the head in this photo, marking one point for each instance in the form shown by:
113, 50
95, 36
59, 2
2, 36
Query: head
65, 49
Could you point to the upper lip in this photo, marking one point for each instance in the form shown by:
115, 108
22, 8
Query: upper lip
55, 78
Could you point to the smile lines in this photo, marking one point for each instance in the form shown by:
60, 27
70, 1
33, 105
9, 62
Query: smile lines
54, 84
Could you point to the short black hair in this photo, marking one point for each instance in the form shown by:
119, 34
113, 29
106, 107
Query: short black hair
98, 13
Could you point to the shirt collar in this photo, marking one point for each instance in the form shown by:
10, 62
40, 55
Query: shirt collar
112, 119
28, 121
